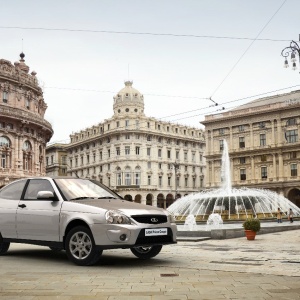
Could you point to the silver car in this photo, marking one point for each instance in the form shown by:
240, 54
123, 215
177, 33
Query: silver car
82, 217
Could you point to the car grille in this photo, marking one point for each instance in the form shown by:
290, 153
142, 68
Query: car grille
152, 240
150, 219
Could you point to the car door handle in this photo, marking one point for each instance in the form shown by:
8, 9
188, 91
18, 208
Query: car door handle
22, 205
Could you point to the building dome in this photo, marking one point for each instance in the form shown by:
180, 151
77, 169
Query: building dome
128, 100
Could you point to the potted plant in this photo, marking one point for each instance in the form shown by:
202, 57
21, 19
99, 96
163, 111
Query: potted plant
251, 226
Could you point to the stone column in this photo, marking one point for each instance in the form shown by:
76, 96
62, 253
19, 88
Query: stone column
213, 179
251, 136
279, 133
273, 133
230, 138
280, 167
274, 167
231, 170
154, 202
252, 169
212, 142
8, 159
208, 163
20, 152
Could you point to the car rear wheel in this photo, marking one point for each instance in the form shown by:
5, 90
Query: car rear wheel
80, 247
146, 252
4, 247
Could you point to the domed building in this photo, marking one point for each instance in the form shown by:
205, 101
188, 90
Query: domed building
144, 159
23, 130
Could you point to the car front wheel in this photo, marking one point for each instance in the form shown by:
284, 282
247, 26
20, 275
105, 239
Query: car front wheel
4, 247
81, 248
146, 252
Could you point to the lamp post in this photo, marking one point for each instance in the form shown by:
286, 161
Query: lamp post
291, 50
176, 167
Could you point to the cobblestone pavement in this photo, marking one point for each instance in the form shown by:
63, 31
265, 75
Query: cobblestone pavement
266, 268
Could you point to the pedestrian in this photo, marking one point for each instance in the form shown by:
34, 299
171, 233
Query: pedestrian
279, 216
291, 214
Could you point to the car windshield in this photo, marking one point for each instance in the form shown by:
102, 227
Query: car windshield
77, 189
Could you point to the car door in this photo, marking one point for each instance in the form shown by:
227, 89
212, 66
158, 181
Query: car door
10, 196
38, 219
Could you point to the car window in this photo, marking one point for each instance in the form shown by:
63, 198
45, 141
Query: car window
35, 186
13, 191
77, 188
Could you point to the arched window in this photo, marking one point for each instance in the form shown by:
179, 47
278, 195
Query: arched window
137, 176
291, 122
27, 146
119, 176
6, 152
4, 141
127, 176
27, 156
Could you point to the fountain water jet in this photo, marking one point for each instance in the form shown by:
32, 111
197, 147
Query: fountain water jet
231, 203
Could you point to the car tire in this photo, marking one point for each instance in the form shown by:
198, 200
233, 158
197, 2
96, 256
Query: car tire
4, 247
80, 247
146, 252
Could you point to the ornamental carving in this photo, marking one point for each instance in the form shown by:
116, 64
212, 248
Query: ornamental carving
28, 95
5, 87
5, 65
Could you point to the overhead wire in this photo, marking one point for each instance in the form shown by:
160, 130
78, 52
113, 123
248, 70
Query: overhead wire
142, 33
185, 97
197, 115
256, 38
123, 151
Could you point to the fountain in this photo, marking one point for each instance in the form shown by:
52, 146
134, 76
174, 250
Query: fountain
231, 203
190, 222
214, 222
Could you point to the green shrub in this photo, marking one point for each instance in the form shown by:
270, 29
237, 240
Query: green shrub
252, 224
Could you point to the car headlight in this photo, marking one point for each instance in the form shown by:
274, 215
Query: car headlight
116, 217
171, 218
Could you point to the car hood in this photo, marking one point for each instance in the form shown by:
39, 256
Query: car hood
128, 208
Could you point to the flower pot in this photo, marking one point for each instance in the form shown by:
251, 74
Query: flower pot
250, 234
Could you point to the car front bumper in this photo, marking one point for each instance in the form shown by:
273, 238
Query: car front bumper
108, 236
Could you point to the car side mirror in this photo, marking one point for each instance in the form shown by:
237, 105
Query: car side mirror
46, 195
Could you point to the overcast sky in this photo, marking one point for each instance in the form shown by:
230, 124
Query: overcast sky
197, 49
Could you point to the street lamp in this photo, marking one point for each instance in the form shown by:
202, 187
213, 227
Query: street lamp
176, 167
292, 50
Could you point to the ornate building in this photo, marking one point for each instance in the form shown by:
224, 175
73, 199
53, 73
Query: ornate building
138, 156
263, 143
56, 160
23, 130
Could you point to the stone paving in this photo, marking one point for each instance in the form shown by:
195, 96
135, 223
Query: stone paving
266, 268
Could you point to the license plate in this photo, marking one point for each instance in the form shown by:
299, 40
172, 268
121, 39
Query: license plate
156, 231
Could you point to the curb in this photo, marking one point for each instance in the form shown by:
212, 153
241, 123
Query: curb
229, 233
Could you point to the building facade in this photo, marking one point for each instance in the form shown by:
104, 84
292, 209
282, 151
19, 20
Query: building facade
56, 160
263, 143
144, 159
23, 130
